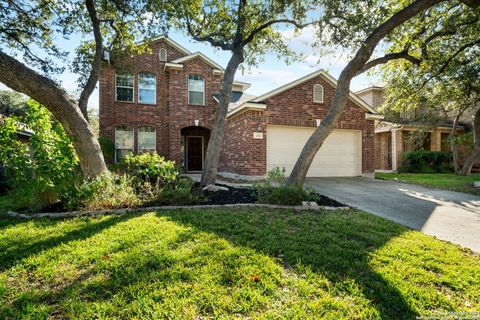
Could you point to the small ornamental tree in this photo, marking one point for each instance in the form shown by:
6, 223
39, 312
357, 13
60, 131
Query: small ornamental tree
245, 29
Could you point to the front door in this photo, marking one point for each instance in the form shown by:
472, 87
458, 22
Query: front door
194, 153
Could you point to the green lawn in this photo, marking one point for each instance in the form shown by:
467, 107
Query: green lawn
233, 263
451, 182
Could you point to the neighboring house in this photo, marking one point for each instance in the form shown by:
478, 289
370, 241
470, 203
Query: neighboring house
165, 101
392, 140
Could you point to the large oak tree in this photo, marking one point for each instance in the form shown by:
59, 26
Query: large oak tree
446, 77
361, 26
245, 28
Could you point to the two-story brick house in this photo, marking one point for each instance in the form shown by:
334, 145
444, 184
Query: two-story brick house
164, 101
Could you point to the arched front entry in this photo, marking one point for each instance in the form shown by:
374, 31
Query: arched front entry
194, 146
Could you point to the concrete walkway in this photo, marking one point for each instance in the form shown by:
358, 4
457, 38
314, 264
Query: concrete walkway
447, 215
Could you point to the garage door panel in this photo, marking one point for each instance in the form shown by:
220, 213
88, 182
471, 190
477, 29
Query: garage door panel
340, 154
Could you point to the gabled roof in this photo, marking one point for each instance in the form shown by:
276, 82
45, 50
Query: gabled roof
370, 88
320, 73
174, 44
238, 98
201, 56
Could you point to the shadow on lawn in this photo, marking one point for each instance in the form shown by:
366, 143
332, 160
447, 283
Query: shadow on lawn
336, 246
13, 251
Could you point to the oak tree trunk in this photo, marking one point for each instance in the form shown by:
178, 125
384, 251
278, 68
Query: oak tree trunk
212, 156
453, 144
475, 155
20, 78
355, 66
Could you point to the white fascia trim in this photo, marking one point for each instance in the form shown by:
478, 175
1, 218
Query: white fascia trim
362, 104
173, 66
371, 116
169, 41
200, 55
243, 85
247, 106
371, 88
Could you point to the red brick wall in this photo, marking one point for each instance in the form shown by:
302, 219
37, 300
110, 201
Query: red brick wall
241, 153
171, 112
295, 107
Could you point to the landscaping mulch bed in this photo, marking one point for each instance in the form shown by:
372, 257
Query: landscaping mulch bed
247, 195
233, 195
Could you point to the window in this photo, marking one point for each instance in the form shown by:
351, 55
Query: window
146, 140
124, 87
147, 88
162, 54
196, 90
318, 93
123, 142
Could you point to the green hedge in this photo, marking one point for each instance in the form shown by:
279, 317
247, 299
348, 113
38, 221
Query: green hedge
422, 161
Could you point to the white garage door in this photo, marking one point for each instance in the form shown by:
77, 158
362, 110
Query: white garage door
339, 156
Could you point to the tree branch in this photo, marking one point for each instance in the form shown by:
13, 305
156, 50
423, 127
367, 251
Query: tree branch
389, 57
264, 26
97, 59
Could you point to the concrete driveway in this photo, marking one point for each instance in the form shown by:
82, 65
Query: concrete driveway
447, 215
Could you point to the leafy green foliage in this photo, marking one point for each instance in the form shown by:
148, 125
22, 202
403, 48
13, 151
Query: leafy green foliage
235, 263
149, 167
107, 191
42, 168
274, 190
423, 161
178, 193
12, 103
445, 82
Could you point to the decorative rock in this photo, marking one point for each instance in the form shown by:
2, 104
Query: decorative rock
313, 204
476, 184
214, 188
305, 203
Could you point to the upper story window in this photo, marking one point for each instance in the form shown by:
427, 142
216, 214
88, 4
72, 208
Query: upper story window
318, 93
147, 139
196, 90
124, 87
123, 142
146, 88
162, 54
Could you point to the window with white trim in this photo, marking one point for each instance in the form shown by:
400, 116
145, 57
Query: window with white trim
162, 54
196, 90
124, 87
123, 142
147, 140
318, 93
147, 86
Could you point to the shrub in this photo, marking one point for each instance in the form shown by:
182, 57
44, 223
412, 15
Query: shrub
422, 161
149, 167
177, 193
274, 190
107, 191
42, 168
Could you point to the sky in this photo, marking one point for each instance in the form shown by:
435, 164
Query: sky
264, 77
